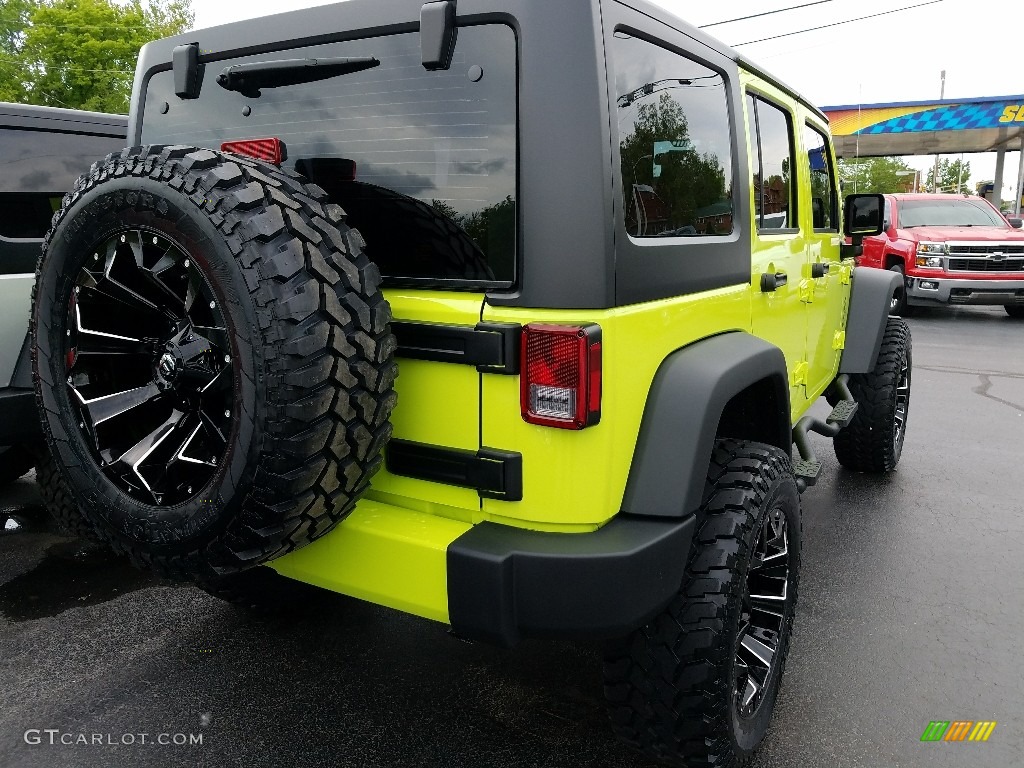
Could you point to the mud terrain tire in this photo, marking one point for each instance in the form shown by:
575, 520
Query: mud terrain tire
295, 353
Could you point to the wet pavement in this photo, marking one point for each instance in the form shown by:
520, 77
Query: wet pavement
910, 611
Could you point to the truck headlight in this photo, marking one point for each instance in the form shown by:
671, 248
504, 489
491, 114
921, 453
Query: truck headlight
929, 255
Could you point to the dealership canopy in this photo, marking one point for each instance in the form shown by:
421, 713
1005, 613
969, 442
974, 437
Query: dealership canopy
942, 127
928, 127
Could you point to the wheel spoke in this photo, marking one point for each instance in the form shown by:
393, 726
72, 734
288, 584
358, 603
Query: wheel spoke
761, 652
131, 461
750, 691
101, 409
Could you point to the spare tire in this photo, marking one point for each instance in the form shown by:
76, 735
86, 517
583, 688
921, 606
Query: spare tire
213, 358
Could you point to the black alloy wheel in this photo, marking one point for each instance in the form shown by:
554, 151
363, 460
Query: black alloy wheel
762, 614
149, 367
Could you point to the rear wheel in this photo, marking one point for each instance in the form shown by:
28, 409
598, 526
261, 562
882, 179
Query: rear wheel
213, 359
873, 441
697, 685
1014, 310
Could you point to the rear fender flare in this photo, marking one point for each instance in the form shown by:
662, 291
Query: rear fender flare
688, 396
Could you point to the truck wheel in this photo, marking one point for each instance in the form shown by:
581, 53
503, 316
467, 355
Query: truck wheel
262, 590
59, 503
14, 462
697, 685
212, 357
873, 441
1014, 310
898, 303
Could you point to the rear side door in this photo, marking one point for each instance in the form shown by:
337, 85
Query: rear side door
779, 246
827, 280
424, 164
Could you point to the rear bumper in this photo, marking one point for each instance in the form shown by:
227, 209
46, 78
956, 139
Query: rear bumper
506, 583
963, 291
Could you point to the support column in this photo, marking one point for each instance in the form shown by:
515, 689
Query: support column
1020, 178
997, 191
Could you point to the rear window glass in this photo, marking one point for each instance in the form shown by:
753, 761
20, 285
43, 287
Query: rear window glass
675, 145
433, 154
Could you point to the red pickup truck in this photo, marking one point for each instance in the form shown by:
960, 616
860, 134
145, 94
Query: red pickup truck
951, 249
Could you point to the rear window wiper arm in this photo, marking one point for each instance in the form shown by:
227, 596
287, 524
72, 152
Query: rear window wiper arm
248, 79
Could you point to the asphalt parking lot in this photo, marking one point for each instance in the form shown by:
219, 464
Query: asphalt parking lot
910, 611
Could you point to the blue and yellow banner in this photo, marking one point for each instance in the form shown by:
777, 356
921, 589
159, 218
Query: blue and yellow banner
923, 116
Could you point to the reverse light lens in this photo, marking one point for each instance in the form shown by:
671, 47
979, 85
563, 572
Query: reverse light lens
561, 375
268, 150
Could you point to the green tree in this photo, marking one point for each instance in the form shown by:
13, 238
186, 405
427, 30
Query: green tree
953, 175
81, 53
874, 175
14, 16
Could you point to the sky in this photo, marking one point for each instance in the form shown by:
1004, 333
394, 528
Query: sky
895, 57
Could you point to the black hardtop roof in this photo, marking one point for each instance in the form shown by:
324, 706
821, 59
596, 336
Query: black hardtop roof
294, 24
60, 119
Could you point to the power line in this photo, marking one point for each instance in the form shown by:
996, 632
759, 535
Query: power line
766, 13
835, 24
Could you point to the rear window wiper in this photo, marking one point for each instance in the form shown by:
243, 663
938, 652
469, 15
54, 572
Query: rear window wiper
248, 79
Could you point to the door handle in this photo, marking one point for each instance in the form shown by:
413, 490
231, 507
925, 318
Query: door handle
770, 281
819, 269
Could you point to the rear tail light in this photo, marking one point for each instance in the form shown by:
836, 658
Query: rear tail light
268, 150
561, 375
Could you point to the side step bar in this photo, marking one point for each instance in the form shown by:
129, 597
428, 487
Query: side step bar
807, 468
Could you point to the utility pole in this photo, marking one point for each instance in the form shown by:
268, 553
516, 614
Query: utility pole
935, 172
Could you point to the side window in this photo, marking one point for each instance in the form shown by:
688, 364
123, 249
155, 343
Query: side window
771, 139
824, 201
675, 142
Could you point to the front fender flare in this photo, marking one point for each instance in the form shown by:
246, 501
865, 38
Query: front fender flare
688, 396
865, 324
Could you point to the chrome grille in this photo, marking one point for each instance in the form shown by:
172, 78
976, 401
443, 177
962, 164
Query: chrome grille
986, 265
979, 257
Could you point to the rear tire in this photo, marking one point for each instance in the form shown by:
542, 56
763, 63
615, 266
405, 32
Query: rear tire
873, 442
213, 358
59, 503
679, 689
1015, 311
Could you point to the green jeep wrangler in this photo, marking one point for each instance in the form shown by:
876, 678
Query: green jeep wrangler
505, 315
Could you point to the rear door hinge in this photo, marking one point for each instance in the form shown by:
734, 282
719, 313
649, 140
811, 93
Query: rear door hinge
799, 375
839, 340
807, 291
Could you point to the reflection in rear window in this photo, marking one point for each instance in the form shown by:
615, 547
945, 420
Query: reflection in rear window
433, 154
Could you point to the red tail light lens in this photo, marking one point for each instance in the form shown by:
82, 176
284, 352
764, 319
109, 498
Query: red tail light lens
268, 150
561, 375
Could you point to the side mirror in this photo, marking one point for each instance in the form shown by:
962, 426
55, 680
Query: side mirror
1014, 222
863, 216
